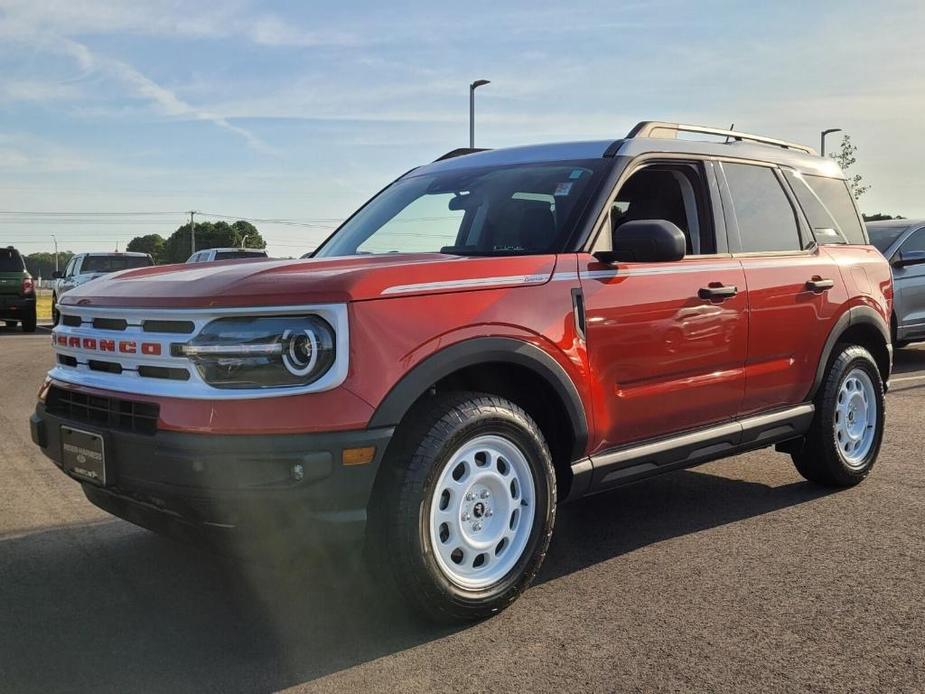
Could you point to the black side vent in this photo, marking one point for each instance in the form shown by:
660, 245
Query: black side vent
128, 415
109, 367
66, 360
71, 321
109, 323
183, 327
163, 372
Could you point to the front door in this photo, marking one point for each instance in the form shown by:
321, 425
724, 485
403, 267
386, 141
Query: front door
666, 341
909, 291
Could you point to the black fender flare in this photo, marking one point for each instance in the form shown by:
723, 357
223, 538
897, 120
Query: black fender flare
856, 315
484, 350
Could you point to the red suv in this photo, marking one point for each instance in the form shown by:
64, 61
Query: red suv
493, 334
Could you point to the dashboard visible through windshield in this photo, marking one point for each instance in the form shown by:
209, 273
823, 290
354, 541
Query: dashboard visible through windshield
510, 210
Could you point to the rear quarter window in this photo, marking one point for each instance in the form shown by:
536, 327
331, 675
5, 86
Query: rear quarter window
834, 194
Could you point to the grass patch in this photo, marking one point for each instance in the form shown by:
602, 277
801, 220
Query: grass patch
43, 307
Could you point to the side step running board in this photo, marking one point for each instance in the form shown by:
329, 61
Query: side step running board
629, 464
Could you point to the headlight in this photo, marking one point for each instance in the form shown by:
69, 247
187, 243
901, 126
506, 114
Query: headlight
271, 352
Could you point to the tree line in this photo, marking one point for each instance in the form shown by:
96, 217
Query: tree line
176, 248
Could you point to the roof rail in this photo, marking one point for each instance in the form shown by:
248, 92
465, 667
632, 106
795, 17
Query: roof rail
670, 130
462, 151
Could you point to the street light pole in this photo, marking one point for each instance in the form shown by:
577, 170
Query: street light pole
244, 241
822, 138
192, 232
472, 87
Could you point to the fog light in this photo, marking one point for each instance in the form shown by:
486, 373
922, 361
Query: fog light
298, 472
358, 456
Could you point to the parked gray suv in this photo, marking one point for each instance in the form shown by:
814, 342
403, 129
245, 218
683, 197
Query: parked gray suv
902, 241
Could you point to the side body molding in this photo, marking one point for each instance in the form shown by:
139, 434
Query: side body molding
485, 350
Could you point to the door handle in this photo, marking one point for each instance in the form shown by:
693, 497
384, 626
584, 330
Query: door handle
717, 291
817, 284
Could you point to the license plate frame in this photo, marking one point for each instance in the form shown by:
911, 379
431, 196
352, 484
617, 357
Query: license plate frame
83, 455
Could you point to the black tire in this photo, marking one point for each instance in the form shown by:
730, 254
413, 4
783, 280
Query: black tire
10, 323
820, 458
55, 315
28, 322
399, 545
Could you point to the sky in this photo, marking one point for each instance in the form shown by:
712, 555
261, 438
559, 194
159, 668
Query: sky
300, 112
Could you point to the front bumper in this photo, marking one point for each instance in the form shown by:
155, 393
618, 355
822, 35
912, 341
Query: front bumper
15, 307
285, 490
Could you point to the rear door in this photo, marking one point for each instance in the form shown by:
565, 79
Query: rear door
664, 356
794, 286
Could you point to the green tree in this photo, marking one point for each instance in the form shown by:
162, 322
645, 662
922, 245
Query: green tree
880, 217
177, 247
845, 156
152, 244
43, 264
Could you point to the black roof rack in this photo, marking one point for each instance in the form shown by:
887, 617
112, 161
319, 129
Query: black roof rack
671, 130
461, 152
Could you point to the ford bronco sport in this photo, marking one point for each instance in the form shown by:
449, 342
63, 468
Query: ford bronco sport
493, 334
17, 291
84, 267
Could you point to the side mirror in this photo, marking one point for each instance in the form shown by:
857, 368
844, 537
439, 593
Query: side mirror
905, 258
57, 274
646, 241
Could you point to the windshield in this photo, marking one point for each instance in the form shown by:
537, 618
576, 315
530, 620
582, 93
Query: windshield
231, 255
113, 263
10, 261
510, 210
883, 237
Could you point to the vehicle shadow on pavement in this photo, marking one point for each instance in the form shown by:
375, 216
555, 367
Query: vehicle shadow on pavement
908, 361
109, 607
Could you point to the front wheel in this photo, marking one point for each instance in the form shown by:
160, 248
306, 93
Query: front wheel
55, 316
844, 440
464, 511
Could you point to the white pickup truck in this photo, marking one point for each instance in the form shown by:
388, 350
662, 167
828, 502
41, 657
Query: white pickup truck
84, 267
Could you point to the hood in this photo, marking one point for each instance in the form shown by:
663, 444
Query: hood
310, 281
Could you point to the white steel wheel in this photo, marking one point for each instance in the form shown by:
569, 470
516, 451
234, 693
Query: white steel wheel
482, 511
856, 417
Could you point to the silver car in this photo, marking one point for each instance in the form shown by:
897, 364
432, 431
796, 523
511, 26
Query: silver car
84, 267
902, 241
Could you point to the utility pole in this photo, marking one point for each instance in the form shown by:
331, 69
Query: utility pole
822, 138
192, 232
472, 87
55, 239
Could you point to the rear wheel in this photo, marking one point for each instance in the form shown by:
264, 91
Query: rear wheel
28, 322
464, 511
844, 440
10, 323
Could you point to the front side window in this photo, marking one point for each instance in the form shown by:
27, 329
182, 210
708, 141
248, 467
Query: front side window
674, 193
113, 263
765, 218
501, 210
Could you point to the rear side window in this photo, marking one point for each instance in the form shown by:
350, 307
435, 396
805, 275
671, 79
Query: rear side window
233, 255
10, 260
763, 212
829, 208
113, 263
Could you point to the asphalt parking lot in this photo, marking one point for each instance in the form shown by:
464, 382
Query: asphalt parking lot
736, 576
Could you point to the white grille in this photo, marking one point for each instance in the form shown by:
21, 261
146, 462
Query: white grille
135, 360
